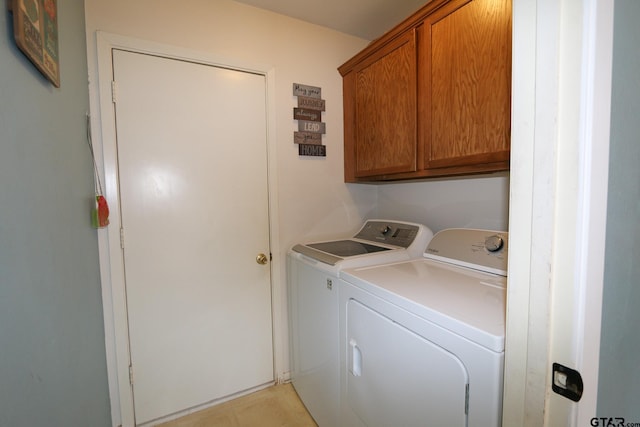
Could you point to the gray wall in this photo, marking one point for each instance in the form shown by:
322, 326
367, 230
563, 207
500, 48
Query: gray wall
52, 355
478, 201
619, 375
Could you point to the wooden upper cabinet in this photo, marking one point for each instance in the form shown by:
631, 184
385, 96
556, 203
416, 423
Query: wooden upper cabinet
466, 78
385, 107
432, 97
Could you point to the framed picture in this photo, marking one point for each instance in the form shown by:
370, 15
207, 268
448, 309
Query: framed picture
35, 28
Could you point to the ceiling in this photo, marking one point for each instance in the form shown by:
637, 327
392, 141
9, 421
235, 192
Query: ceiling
367, 19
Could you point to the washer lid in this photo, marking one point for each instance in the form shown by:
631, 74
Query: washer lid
378, 241
335, 251
467, 302
346, 248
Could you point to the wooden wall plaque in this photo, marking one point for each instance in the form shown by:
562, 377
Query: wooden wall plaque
312, 103
317, 127
307, 138
306, 90
308, 113
35, 28
312, 150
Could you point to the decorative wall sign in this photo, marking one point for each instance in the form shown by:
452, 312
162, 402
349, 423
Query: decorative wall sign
313, 103
35, 28
304, 90
309, 116
312, 150
307, 138
305, 126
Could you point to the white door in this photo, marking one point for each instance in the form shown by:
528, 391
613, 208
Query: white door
191, 145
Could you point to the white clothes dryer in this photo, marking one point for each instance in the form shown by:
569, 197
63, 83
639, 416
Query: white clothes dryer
422, 341
312, 275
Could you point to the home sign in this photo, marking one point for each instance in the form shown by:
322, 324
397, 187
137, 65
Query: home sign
308, 113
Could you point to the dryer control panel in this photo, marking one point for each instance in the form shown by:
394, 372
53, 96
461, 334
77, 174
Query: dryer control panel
389, 232
484, 250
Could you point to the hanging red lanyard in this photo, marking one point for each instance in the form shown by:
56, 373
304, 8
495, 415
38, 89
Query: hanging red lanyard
100, 212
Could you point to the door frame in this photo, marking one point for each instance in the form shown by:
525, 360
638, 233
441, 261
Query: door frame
561, 115
112, 276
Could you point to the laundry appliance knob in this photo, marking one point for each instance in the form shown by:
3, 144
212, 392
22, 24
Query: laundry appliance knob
494, 243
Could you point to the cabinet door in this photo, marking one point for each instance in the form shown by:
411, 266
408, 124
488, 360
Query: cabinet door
466, 77
385, 109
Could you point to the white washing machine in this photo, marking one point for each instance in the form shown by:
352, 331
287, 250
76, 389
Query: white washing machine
312, 275
422, 341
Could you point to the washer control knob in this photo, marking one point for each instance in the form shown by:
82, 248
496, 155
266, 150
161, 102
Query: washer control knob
385, 229
494, 243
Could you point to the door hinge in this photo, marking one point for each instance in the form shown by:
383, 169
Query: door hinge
466, 399
131, 374
121, 238
114, 91
567, 382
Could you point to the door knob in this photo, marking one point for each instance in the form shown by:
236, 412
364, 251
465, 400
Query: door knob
262, 259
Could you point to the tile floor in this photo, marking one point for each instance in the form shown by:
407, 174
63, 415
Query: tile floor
276, 406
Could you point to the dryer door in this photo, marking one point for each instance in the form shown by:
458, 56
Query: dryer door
398, 378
